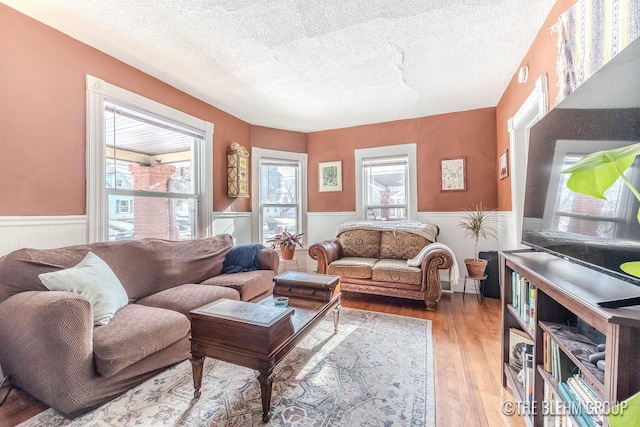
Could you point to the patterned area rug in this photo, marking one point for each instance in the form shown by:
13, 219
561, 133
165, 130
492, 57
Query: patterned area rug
377, 371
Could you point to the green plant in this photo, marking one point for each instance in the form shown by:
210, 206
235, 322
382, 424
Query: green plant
478, 223
285, 240
596, 172
626, 413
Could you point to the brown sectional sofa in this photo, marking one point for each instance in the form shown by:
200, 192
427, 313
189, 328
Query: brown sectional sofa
50, 346
372, 257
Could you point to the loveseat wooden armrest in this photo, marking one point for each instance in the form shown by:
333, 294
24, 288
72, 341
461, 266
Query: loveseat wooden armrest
325, 253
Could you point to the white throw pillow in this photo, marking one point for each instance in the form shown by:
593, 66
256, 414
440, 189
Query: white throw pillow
93, 279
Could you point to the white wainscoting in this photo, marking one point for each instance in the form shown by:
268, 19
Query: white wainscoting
41, 232
238, 224
322, 226
453, 236
56, 231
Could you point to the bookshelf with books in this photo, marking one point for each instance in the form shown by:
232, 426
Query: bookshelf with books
586, 358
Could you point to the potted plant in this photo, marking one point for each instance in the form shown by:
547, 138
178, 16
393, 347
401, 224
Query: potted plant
478, 223
287, 243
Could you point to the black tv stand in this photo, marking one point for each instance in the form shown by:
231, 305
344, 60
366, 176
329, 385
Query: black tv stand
622, 302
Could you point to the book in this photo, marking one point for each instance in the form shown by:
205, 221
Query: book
532, 307
573, 406
589, 400
529, 374
565, 366
518, 339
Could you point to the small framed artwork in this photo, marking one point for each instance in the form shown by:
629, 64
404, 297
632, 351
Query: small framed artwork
453, 174
330, 176
503, 162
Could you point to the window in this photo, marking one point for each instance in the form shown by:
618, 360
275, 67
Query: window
124, 206
278, 182
385, 183
148, 176
590, 216
385, 187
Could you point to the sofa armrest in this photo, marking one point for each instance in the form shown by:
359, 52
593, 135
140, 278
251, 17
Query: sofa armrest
47, 343
439, 257
325, 253
268, 259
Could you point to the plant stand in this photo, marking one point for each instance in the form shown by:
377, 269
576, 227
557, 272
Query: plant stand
479, 286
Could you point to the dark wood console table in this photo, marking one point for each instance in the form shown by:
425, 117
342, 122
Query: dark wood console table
259, 335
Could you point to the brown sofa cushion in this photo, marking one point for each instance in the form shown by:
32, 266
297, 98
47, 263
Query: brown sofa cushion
401, 245
135, 332
392, 270
353, 267
249, 284
143, 266
360, 243
187, 297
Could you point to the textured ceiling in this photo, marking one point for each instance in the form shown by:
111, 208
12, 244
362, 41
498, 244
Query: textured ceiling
310, 65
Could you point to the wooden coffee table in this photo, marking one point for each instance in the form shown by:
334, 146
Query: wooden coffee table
259, 335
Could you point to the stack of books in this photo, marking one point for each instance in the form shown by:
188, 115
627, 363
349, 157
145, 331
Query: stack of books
577, 398
584, 402
524, 300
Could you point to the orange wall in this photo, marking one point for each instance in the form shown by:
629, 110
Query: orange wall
42, 118
471, 134
275, 139
541, 59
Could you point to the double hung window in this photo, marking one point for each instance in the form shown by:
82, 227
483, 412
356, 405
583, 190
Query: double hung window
278, 181
385, 184
148, 176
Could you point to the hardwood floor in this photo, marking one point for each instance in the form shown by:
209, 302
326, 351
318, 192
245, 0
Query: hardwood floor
466, 340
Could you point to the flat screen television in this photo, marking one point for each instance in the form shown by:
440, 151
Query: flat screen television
601, 114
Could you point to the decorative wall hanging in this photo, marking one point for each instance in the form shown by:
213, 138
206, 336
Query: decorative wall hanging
330, 176
503, 162
453, 174
237, 171
590, 33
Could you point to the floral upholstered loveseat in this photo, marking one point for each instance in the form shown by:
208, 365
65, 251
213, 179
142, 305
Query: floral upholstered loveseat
394, 258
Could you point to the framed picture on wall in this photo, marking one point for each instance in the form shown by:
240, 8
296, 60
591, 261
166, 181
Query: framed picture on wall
453, 174
503, 162
330, 176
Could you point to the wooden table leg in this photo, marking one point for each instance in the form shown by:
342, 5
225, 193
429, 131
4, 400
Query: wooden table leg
336, 318
266, 383
197, 361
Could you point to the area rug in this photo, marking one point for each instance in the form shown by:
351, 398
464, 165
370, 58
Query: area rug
377, 371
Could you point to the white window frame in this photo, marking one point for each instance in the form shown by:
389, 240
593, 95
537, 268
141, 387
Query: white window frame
97, 204
257, 154
410, 150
